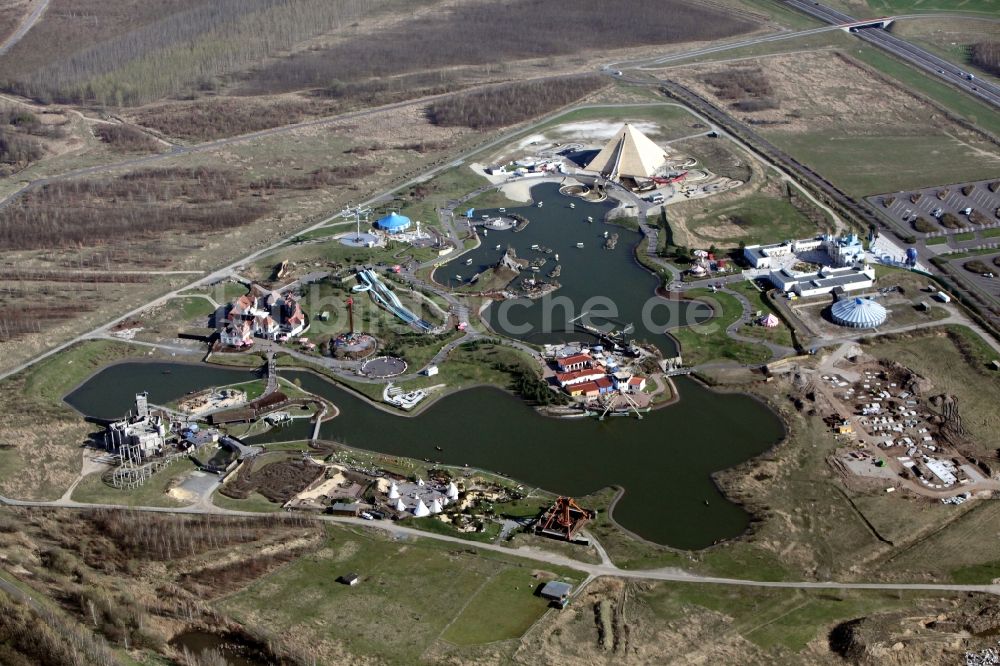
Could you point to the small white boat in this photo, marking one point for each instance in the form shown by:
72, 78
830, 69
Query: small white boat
486, 232
579, 244
503, 210
605, 234
557, 256
590, 219
540, 203
468, 262
572, 205
535, 246
458, 277
498, 246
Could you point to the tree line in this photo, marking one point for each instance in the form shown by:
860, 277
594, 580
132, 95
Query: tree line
186, 50
748, 88
89, 212
481, 33
987, 56
511, 103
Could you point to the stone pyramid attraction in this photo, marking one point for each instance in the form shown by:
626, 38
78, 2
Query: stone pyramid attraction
631, 154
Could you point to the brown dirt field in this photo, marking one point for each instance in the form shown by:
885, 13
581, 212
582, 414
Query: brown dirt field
819, 91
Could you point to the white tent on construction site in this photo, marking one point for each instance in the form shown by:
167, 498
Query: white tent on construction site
399, 505
770, 321
421, 510
629, 153
436, 506
452, 493
393, 491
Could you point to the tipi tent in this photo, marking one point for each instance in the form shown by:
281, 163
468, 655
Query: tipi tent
393, 491
436, 506
452, 493
421, 510
400, 506
770, 321
630, 153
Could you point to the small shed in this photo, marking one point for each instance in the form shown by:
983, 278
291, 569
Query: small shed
557, 592
345, 509
995, 364
350, 579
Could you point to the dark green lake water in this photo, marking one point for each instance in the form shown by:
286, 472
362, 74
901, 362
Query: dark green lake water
664, 461
609, 284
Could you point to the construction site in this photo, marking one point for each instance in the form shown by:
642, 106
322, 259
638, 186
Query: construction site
898, 433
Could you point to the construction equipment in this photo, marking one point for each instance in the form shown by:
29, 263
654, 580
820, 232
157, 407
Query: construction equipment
564, 519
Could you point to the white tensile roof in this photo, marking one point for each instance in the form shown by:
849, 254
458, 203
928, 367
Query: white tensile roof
629, 153
858, 313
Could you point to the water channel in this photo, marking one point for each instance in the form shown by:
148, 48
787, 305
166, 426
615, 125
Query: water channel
609, 284
663, 461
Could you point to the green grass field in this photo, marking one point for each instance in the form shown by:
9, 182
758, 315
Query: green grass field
152, 493
864, 165
411, 595
891, 7
503, 608
760, 218
709, 342
781, 335
776, 620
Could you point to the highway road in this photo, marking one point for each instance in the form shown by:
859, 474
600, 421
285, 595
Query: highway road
930, 63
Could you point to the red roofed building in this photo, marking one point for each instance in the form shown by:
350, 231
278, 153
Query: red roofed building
604, 385
578, 376
573, 362
636, 384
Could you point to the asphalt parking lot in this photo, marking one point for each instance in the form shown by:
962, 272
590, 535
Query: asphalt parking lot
902, 211
987, 286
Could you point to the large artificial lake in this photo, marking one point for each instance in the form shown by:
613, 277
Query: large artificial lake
664, 461
592, 278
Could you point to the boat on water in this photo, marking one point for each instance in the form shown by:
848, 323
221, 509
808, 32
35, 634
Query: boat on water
458, 277
468, 262
572, 205
540, 203
535, 246
605, 234
486, 232
579, 244
590, 219
438, 448
557, 256
498, 246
